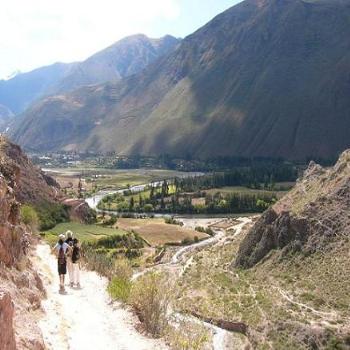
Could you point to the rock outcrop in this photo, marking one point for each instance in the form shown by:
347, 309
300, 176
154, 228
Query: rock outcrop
7, 338
33, 186
21, 289
312, 217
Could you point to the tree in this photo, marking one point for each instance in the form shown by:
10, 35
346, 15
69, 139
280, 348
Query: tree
80, 188
148, 208
131, 204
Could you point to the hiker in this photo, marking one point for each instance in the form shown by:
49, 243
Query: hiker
61, 249
76, 263
69, 241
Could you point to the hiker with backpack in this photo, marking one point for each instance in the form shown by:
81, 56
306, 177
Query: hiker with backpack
76, 262
69, 241
61, 248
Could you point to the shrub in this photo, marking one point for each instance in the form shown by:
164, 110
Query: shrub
29, 216
188, 336
133, 253
119, 289
51, 214
209, 231
186, 241
111, 221
98, 261
150, 296
148, 208
172, 221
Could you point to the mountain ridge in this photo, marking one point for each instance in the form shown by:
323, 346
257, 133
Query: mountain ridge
126, 56
264, 78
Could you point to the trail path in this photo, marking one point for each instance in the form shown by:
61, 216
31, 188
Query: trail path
85, 319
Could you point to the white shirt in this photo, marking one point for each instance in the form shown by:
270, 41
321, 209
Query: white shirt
57, 247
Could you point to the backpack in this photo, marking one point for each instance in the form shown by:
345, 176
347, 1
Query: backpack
61, 256
75, 254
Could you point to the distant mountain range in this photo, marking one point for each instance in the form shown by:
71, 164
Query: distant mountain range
127, 56
264, 78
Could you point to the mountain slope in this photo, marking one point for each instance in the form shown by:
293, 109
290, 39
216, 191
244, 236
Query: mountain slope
265, 78
127, 56
297, 256
5, 117
17, 93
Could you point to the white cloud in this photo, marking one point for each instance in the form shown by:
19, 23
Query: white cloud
38, 32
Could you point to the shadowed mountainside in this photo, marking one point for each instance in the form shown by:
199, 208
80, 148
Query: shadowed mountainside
264, 78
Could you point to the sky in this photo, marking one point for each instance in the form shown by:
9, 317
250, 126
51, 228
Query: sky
34, 33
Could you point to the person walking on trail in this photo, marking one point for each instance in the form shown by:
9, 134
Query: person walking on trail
69, 241
76, 262
61, 249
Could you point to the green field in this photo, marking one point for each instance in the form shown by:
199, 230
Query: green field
83, 232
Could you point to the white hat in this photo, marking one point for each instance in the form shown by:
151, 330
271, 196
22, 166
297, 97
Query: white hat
69, 233
61, 236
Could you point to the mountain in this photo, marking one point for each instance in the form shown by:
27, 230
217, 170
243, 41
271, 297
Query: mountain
127, 56
296, 259
309, 219
17, 93
265, 78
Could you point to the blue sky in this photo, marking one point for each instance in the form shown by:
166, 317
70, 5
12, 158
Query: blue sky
40, 32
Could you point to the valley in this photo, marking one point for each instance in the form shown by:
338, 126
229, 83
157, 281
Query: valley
202, 179
208, 295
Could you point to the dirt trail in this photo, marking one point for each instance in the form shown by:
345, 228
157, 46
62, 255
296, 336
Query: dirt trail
85, 319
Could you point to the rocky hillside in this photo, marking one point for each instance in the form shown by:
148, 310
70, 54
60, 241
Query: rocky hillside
29, 183
125, 57
32, 186
264, 78
20, 287
5, 117
312, 218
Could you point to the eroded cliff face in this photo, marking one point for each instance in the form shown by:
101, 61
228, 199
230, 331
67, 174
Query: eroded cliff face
21, 289
29, 183
7, 339
313, 217
10, 232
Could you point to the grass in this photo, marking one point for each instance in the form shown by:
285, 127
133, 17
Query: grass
83, 232
119, 289
157, 232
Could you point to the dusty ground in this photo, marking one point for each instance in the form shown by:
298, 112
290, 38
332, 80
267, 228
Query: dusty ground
85, 319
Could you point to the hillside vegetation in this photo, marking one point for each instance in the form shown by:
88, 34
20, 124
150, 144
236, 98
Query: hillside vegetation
288, 281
